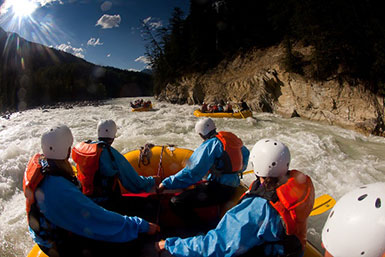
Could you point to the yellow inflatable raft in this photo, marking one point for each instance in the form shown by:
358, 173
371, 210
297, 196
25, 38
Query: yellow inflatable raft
170, 159
236, 115
165, 161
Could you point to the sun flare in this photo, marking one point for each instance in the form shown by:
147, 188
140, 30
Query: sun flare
22, 8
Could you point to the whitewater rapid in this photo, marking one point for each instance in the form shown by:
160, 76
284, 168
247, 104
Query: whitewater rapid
337, 160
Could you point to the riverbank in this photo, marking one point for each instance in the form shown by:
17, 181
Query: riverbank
65, 105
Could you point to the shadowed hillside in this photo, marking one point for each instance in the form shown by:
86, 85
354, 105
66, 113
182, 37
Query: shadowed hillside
32, 74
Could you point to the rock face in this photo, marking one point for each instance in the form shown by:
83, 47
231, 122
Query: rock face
260, 80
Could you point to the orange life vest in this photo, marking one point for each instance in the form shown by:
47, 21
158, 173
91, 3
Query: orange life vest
32, 177
294, 203
232, 152
296, 200
86, 156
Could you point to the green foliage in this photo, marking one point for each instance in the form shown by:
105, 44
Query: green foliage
348, 37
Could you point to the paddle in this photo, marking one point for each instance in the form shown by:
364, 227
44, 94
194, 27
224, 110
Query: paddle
239, 110
242, 115
248, 172
321, 204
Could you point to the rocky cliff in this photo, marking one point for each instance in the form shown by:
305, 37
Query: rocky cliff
260, 79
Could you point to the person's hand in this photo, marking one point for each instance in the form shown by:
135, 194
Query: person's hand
159, 246
158, 180
161, 188
153, 228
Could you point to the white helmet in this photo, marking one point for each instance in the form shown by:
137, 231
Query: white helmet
356, 224
56, 142
270, 158
204, 126
107, 129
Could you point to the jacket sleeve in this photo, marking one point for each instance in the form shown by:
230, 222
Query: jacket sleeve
64, 205
126, 173
250, 223
198, 165
245, 155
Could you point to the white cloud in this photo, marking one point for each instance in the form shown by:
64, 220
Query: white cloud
109, 21
147, 19
133, 70
152, 24
142, 59
106, 6
94, 42
70, 49
157, 24
45, 2
108, 55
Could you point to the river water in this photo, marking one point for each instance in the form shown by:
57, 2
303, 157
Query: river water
337, 160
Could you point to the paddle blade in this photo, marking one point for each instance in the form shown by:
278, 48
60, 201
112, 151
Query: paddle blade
322, 204
248, 172
36, 252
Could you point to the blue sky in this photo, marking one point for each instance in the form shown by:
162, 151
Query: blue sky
106, 33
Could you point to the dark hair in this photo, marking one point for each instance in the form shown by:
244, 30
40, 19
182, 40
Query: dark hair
107, 140
271, 183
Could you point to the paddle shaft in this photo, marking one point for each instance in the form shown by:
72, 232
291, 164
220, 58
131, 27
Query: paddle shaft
243, 116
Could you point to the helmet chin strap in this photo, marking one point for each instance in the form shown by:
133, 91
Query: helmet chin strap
107, 140
211, 134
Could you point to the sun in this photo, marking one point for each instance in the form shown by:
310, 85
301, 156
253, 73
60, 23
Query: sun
22, 8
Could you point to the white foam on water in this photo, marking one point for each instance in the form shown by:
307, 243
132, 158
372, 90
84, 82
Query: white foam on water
337, 160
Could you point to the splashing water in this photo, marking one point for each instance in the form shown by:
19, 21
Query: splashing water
337, 160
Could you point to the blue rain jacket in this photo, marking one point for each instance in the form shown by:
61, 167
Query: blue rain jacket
126, 173
199, 164
250, 223
64, 205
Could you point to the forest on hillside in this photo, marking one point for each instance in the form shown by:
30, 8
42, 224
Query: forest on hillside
348, 37
68, 83
34, 75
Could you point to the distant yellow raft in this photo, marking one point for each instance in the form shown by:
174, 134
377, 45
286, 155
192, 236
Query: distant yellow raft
142, 109
236, 115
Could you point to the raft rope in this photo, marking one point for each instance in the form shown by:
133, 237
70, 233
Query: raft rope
160, 167
145, 154
161, 175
